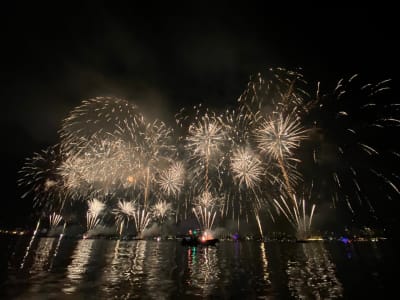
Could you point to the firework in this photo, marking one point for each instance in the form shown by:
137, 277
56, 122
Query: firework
73, 172
101, 117
39, 176
124, 211
171, 180
277, 90
205, 138
54, 220
205, 210
155, 149
296, 215
108, 150
204, 142
277, 138
161, 210
246, 168
353, 129
96, 207
142, 219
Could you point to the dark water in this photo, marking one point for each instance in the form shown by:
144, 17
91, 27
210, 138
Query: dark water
107, 269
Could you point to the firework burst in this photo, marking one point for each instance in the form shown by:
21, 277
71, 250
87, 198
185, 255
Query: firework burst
204, 143
109, 150
161, 211
296, 215
54, 220
123, 212
142, 219
205, 210
246, 168
40, 177
171, 180
99, 117
277, 138
95, 208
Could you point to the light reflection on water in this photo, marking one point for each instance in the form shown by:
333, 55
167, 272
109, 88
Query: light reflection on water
103, 269
312, 274
203, 272
78, 266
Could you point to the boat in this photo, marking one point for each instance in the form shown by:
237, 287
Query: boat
194, 242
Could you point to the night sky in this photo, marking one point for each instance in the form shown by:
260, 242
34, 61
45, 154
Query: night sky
55, 57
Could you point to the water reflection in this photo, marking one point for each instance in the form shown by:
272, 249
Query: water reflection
202, 270
78, 265
86, 268
103, 269
125, 271
41, 255
160, 268
311, 274
265, 274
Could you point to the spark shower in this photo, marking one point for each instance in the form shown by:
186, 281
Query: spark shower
286, 147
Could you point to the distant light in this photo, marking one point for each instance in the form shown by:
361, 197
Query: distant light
345, 240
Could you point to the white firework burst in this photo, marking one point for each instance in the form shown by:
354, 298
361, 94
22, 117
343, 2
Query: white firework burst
205, 138
96, 207
161, 210
278, 137
171, 180
246, 168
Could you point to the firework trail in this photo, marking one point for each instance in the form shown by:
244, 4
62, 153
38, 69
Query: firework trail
244, 167
268, 119
247, 172
123, 212
142, 219
96, 207
204, 142
205, 210
156, 150
277, 90
54, 220
296, 215
353, 142
277, 138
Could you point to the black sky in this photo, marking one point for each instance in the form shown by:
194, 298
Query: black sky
52, 58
